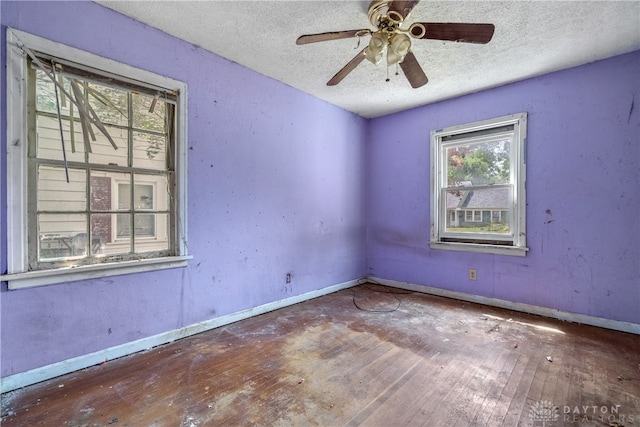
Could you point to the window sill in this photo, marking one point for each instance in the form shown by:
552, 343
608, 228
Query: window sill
71, 274
474, 247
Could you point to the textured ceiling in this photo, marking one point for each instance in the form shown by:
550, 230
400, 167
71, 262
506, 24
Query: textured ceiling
531, 38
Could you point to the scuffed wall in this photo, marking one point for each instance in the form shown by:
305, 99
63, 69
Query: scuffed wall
583, 193
275, 183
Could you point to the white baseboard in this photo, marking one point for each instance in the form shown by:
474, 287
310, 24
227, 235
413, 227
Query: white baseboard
44, 373
617, 325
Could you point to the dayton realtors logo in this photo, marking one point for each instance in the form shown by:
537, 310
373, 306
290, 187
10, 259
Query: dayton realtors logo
546, 414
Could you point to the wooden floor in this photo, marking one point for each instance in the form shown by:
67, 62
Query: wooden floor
369, 355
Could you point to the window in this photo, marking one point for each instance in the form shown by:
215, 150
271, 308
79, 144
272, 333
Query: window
96, 167
478, 186
472, 216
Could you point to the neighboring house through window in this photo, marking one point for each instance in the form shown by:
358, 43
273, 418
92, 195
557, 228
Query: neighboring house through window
96, 167
478, 186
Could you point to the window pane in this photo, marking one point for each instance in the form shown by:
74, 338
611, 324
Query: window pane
124, 225
102, 152
145, 119
484, 211
105, 240
143, 225
124, 196
61, 236
151, 192
151, 232
101, 231
478, 163
109, 104
143, 196
46, 95
103, 185
56, 194
149, 151
49, 145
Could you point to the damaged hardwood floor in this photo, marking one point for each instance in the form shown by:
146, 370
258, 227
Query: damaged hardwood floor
369, 355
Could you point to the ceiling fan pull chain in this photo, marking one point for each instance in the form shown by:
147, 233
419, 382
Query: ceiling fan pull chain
388, 79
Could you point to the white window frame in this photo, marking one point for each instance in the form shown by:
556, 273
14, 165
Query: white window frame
18, 275
515, 242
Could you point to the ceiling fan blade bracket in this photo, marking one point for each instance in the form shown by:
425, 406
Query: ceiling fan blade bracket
395, 17
417, 30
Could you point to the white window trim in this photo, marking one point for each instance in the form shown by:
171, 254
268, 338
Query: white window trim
18, 275
518, 170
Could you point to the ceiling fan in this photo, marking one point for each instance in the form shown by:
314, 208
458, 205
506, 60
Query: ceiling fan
390, 38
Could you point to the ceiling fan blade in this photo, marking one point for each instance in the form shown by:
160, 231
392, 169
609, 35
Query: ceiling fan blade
402, 7
467, 33
334, 35
413, 71
347, 68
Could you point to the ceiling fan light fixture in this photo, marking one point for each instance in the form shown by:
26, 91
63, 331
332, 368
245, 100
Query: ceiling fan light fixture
373, 57
376, 48
398, 48
400, 44
392, 58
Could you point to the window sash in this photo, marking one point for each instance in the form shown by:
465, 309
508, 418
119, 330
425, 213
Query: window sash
20, 274
469, 139
476, 215
74, 254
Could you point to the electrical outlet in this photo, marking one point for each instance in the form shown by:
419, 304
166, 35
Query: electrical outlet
473, 275
288, 279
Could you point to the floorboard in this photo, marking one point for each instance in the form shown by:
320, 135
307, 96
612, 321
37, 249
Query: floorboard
365, 356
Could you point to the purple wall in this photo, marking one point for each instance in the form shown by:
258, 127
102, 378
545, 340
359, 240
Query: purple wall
278, 182
583, 162
276, 186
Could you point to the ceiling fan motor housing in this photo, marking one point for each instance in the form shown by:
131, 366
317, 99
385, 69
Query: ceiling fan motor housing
377, 10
